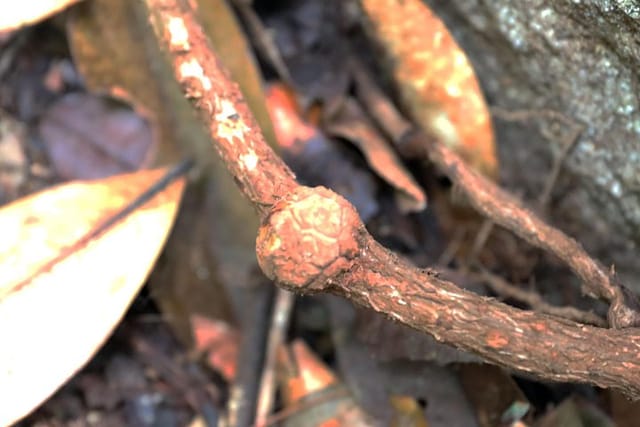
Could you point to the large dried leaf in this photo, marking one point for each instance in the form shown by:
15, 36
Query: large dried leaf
62, 287
187, 281
18, 14
116, 51
436, 81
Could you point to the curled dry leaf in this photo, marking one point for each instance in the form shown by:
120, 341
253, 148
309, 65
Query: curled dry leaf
435, 79
316, 159
64, 286
352, 123
292, 131
19, 14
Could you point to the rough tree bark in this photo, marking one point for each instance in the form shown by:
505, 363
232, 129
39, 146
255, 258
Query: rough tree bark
580, 59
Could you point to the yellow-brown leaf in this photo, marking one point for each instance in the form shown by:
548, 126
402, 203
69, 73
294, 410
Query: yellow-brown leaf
437, 83
62, 293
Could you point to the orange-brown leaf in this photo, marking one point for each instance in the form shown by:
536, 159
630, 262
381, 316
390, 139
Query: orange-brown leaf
436, 81
304, 377
290, 129
302, 373
352, 124
61, 293
220, 341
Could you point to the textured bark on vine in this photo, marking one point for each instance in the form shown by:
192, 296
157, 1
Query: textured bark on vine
311, 239
500, 206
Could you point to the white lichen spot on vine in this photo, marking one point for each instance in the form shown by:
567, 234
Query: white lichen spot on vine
249, 161
449, 294
396, 316
178, 34
193, 69
401, 301
230, 125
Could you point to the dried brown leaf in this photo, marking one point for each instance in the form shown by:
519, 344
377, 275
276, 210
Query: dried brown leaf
437, 83
62, 287
316, 159
109, 45
352, 124
116, 51
491, 391
312, 391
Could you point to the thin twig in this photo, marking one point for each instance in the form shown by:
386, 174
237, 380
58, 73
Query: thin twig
277, 334
535, 301
263, 39
480, 240
558, 164
255, 322
568, 142
454, 245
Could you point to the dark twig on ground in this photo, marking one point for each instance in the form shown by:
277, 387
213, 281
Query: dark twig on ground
277, 334
535, 301
255, 324
263, 39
